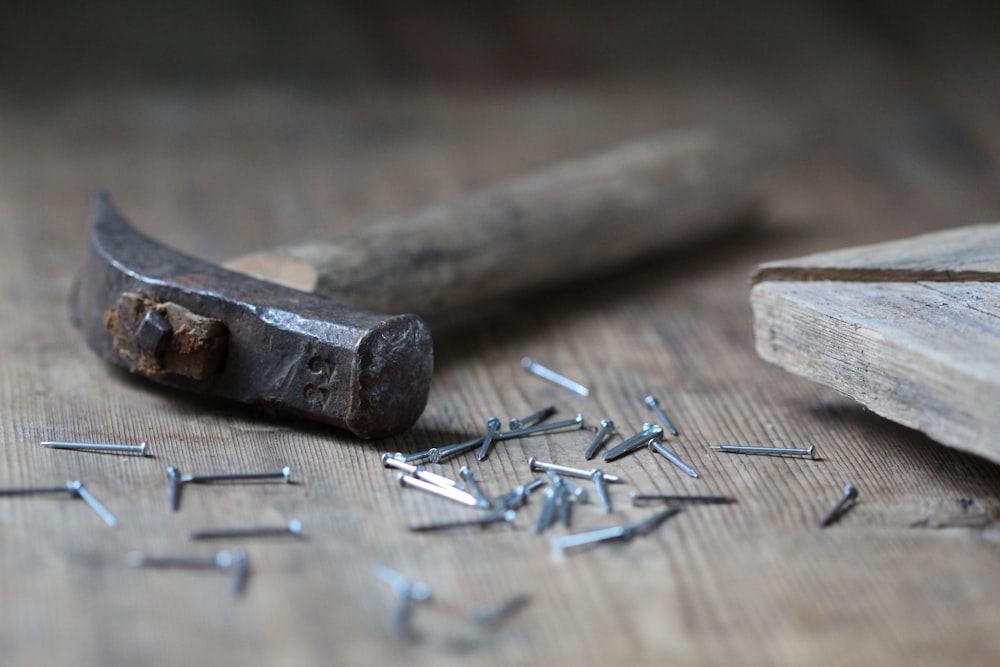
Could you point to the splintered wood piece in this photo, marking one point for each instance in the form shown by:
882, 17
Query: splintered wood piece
910, 329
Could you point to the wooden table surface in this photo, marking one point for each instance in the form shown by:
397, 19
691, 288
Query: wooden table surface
884, 133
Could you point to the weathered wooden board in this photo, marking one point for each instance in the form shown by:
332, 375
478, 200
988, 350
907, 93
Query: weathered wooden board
924, 354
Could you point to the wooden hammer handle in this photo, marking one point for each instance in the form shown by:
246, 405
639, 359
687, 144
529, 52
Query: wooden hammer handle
552, 226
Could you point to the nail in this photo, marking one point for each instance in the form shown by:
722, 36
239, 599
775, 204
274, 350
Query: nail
548, 514
565, 506
174, 476
494, 615
655, 406
635, 442
563, 542
517, 496
417, 471
441, 454
575, 422
658, 447
139, 448
771, 451
406, 594
79, 490
536, 368
34, 490
451, 493
506, 516
241, 571
670, 498
285, 474
543, 466
492, 426
847, 501
477, 491
607, 428
602, 488
222, 560
294, 527
533, 418
579, 494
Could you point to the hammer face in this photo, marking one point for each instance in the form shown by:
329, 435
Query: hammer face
193, 325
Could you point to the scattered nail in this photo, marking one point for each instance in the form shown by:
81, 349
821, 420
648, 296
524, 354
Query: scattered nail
845, 503
469, 476
542, 466
450, 493
600, 482
574, 423
493, 615
507, 516
139, 448
658, 447
638, 440
537, 369
655, 407
607, 428
638, 498
533, 418
767, 451
492, 426
293, 527
406, 594
417, 471
285, 474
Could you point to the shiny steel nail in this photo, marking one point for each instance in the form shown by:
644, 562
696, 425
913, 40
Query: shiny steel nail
174, 475
222, 560
406, 594
607, 428
139, 448
638, 498
451, 493
533, 418
537, 369
655, 407
469, 476
548, 514
638, 440
79, 490
506, 516
494, 615
492, 426
600, 483
293, 527
767, 451
285, 474
241, 571
845, 503
543, 466
417, 471
575, 422
441, 454
658, 447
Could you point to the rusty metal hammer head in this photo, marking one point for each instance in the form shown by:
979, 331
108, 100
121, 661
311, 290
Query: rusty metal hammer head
191, 324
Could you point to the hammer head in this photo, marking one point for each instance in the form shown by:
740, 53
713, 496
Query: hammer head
191, 324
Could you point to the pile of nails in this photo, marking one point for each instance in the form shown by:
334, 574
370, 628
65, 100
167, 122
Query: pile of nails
561, 495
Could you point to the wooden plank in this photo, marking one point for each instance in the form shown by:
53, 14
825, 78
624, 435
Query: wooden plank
926, 355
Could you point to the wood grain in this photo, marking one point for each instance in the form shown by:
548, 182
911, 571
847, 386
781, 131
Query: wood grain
226, 170
926, 355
